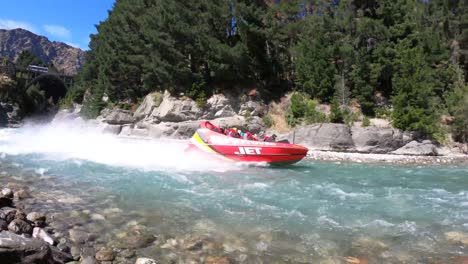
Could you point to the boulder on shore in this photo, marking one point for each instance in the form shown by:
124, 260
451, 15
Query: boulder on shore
378, 140
424, 148
324, 136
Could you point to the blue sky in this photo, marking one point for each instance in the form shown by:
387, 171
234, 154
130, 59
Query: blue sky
69, 21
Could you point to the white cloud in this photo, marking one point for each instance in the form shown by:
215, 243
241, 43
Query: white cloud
11, 24
57, 31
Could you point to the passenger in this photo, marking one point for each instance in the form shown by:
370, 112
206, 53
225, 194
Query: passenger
271, 138
249, 136
233, 133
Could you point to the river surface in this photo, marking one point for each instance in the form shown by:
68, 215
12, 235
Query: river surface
311, 212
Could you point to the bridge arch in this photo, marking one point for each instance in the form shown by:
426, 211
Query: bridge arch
52, 85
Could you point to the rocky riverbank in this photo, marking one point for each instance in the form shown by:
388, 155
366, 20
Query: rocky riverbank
164, 116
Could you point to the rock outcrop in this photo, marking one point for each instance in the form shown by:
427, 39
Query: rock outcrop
378, 140
324, 136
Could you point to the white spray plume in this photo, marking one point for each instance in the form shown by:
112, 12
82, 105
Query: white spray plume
79, 140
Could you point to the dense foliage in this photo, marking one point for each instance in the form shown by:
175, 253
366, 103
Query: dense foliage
330, 51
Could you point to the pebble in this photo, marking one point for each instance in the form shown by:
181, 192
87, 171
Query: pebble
145, 261
105, 254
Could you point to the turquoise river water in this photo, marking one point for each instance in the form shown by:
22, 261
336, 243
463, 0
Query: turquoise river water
310, 212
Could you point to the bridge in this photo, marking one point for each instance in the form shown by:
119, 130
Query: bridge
54, 84
32, 73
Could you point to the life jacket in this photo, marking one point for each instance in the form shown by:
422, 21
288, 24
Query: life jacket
269, 139
249, 136
233, 133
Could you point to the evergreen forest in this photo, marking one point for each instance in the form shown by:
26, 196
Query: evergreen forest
412, 54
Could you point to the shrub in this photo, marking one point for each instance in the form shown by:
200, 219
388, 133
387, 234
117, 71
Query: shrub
311, 115
267, 120
365, 122
157, 98
336, 115
349, 117
297, 106
383, 112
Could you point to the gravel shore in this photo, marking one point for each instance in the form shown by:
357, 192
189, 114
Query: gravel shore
385, 158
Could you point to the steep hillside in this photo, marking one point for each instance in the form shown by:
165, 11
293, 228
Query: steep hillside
65, 57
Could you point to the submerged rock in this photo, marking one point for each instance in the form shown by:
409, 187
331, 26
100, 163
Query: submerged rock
105, 254
217, 260
457, 237
79, 236
145, 261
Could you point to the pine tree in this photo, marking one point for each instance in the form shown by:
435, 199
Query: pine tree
413, 100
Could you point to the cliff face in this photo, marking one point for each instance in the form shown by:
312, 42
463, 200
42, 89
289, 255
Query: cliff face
65, 57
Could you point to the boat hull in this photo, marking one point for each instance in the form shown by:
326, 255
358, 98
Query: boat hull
240, 150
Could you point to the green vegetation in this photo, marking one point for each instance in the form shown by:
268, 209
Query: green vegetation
32, 95
365, 122
27, 58
332, 51
267, 121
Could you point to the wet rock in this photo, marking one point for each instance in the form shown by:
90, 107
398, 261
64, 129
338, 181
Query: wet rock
97, 217
87, 251
119, 117
455, 237
42, 234
89, 260
7, 193
147, 106
79, 237
217, 260
368, 246
19, 226
4, 201
62, 246
127, 253
3, 225
145, 261
20, 215
21, 194
111, 129
75, 252
170, 244
18, 249
138, 241
193, 244
7, 214
105, 254
37, 218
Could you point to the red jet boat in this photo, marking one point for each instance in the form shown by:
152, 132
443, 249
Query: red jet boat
208, 139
